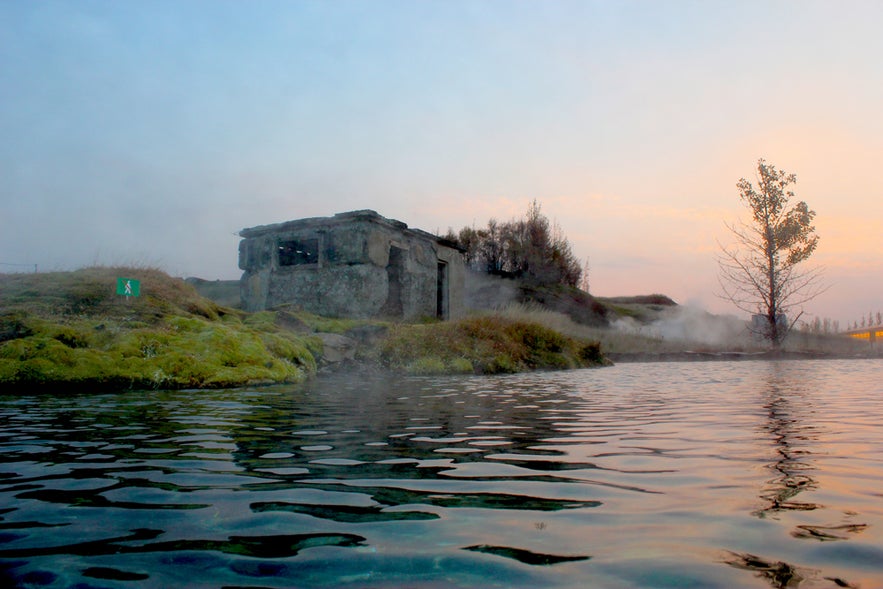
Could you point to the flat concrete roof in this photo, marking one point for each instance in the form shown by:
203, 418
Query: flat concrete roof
344, 219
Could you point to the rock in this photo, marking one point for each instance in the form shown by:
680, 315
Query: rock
337, 348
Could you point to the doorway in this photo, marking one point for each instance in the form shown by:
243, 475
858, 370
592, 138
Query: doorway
395, 270
441, 305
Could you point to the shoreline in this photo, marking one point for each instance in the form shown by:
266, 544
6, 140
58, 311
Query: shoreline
691, 356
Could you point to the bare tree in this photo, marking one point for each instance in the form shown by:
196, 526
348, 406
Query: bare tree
761, 274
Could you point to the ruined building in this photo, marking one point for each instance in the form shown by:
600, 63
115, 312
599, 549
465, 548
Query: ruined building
357, 264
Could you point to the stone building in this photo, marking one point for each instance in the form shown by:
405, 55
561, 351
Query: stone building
357, 264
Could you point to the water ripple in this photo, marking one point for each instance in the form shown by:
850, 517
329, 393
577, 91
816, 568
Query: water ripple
744, 474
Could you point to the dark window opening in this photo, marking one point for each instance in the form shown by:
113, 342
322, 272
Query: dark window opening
298, 252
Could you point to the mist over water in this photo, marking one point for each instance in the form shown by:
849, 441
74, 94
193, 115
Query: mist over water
741, 474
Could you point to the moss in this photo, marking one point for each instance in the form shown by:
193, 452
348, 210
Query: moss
313, 345
293, 349
72, 338
263, 320
19, 349
186, 324
170, 338
8, 369
14, 325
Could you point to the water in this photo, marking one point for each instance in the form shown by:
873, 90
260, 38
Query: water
740, 474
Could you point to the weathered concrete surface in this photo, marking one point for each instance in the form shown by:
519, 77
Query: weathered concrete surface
355, 264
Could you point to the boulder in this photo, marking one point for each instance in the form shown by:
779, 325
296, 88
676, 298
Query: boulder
337, 348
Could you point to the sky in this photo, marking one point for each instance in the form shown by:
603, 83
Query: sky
151, 133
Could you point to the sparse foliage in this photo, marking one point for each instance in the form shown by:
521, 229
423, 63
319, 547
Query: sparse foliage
760, 274
530, 248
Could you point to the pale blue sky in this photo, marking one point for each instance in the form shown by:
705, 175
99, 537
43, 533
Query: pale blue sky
151, 132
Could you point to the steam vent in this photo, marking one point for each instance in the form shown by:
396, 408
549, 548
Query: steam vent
356, 264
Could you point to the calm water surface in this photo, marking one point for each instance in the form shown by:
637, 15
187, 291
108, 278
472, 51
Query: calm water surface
739, 474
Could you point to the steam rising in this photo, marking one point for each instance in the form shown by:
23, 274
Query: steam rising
486, 292
681, 324
689, 324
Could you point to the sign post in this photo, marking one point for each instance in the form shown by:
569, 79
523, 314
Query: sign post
128, 287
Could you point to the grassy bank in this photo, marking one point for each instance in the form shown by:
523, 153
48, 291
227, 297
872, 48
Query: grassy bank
70, 331
484, 344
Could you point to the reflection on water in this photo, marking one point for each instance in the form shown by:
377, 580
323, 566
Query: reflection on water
793, 427
793, 430
781, 575
711, 474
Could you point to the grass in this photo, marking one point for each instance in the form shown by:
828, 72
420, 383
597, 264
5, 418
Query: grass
71, 329
484, 344
90, 292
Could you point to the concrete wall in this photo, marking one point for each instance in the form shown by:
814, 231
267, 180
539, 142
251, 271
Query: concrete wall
366, 266
223, 292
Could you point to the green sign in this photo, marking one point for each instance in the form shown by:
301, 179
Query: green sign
128, 287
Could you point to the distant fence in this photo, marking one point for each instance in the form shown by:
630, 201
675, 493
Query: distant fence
13, 265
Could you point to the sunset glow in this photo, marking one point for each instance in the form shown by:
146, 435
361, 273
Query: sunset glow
153, 132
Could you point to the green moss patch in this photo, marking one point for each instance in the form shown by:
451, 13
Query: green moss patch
81, 335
